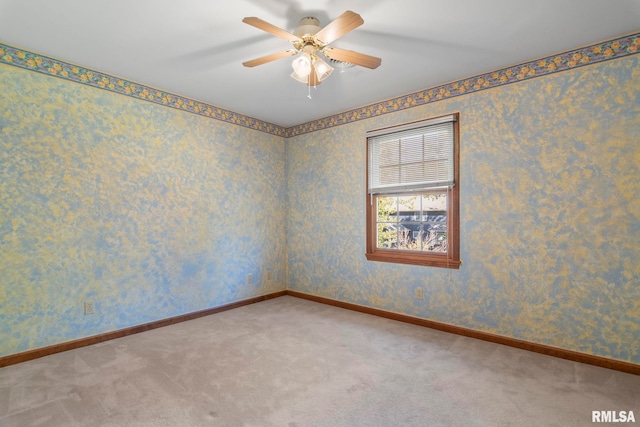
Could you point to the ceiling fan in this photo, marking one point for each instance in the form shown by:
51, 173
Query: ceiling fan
309, 39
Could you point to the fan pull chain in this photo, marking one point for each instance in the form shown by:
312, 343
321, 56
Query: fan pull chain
314, 88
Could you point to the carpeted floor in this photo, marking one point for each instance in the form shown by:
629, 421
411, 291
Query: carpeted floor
293, 363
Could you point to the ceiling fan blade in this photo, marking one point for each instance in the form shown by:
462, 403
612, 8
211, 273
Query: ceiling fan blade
340, 26
271, 29
269, 58
352, 57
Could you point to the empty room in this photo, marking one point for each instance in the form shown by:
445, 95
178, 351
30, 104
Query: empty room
319, 213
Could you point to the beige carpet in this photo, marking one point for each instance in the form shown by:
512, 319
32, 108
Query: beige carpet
291, 362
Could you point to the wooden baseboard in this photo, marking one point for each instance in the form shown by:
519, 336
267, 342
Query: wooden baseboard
95, 339
574, 356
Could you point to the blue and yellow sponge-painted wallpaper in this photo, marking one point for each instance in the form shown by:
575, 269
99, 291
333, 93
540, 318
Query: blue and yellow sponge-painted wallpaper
550, 214
151, 205
146, 211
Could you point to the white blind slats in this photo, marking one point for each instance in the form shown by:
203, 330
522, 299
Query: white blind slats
411, 159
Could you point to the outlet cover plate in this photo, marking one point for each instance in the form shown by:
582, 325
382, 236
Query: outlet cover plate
89, 308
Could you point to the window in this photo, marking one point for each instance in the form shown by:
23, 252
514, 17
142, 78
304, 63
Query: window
412, 193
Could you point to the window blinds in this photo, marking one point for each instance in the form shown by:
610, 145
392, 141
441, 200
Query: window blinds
412, 157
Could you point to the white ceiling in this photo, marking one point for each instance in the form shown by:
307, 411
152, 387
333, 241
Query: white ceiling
195, 48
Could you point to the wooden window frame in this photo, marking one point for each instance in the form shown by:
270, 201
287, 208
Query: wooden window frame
449, 259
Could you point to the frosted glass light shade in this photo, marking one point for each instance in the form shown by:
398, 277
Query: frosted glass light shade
323, 70
302, 65
302, 79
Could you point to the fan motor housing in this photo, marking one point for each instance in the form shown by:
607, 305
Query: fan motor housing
308, 26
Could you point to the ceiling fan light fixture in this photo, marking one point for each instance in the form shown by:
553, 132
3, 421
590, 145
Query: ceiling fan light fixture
302, 66
298, 77
323, 70
308, 40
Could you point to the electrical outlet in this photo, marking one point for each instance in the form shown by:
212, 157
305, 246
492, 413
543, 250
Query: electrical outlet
268, 276
249, 279
419, 293
89, 308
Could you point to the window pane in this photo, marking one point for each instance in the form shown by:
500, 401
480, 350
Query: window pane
435, 148
387, 209
389, 175
409, 208
434, 217
412, 223
434, 238
434, 204
411, 150
409, 236
390, 153
405, 237
412, 173
387, 236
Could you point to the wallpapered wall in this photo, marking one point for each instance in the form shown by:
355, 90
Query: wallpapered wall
550, 214
152, 212
146, 211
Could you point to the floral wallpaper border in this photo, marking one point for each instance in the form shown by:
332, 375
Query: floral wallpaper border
53, 67
600, 52
604, 51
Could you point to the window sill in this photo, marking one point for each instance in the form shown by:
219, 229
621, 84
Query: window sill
414, 258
